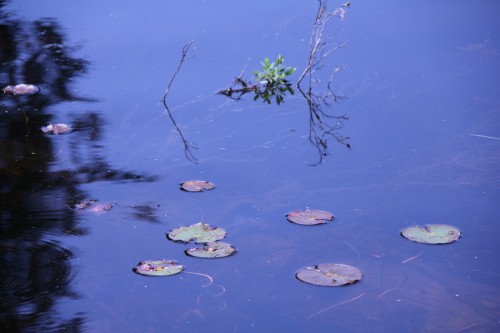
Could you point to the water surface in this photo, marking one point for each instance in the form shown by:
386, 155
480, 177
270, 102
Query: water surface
421, 84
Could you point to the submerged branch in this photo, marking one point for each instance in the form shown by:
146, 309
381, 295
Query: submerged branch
317, 43
322, 125
187, 145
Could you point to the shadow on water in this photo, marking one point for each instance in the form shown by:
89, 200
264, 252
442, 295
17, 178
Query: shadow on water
35, 198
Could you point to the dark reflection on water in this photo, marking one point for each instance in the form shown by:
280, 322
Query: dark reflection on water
35, 199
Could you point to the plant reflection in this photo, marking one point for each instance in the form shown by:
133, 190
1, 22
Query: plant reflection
35, 198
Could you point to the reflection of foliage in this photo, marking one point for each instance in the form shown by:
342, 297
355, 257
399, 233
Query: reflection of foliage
34, 197
323, 125
271, 82
35, 272
187, 145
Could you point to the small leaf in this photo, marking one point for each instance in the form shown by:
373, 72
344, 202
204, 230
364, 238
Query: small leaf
93, 206
431, 234
160, 267
212, 250
199, 232
196, 186
330, 275
56, 129
21, 89
309, 217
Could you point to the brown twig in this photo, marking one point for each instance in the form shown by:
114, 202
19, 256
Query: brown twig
187, 145
320, 130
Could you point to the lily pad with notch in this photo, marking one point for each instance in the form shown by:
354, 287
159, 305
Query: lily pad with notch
199, 232
212, 250
309, 217
197, 186
330, 275
431, 233
160, 267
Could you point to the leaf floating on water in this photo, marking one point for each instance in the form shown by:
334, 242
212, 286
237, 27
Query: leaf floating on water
196, 186
431, 234
199, 232
212, 250
93, 206
21, 89
56, 129
160, 267
309, 217
330, 275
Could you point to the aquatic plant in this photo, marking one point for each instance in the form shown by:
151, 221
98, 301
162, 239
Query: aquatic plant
273, 74
270, 83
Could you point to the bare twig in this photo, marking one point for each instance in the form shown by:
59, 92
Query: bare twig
335, 305
317, 42
410, 259
322, 125
187, 145
210, 279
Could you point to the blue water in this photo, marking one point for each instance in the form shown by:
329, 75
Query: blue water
421, 82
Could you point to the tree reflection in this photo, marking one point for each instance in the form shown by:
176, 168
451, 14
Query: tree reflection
35, 199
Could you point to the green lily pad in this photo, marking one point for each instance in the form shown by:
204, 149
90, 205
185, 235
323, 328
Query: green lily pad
160, 267
331, 275
212, 250
196, 186
431, 234
199, 232
309, 217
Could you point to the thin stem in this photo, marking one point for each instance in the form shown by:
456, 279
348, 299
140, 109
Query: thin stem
187, 145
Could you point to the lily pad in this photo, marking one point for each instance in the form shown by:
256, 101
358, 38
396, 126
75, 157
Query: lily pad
160, 267
21, 89
330, 275
431, 234
212, 250
199, 232
93, 206
56, 129
196, 186
309, 217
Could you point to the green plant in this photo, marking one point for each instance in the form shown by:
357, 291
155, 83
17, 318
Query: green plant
273, 74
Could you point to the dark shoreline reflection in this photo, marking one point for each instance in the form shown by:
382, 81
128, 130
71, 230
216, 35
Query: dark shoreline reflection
35, 197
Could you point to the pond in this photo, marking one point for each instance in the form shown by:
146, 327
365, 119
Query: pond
413, 138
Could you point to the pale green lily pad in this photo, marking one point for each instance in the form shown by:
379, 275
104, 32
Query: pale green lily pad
431, 234
309, 217
160, 267
196, 186
212, 250
199, 232
331, 275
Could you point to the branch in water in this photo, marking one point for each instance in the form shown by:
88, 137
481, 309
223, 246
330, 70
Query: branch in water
187, 145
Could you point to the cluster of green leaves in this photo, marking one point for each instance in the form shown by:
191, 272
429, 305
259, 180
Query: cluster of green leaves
274, 73
273, 77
